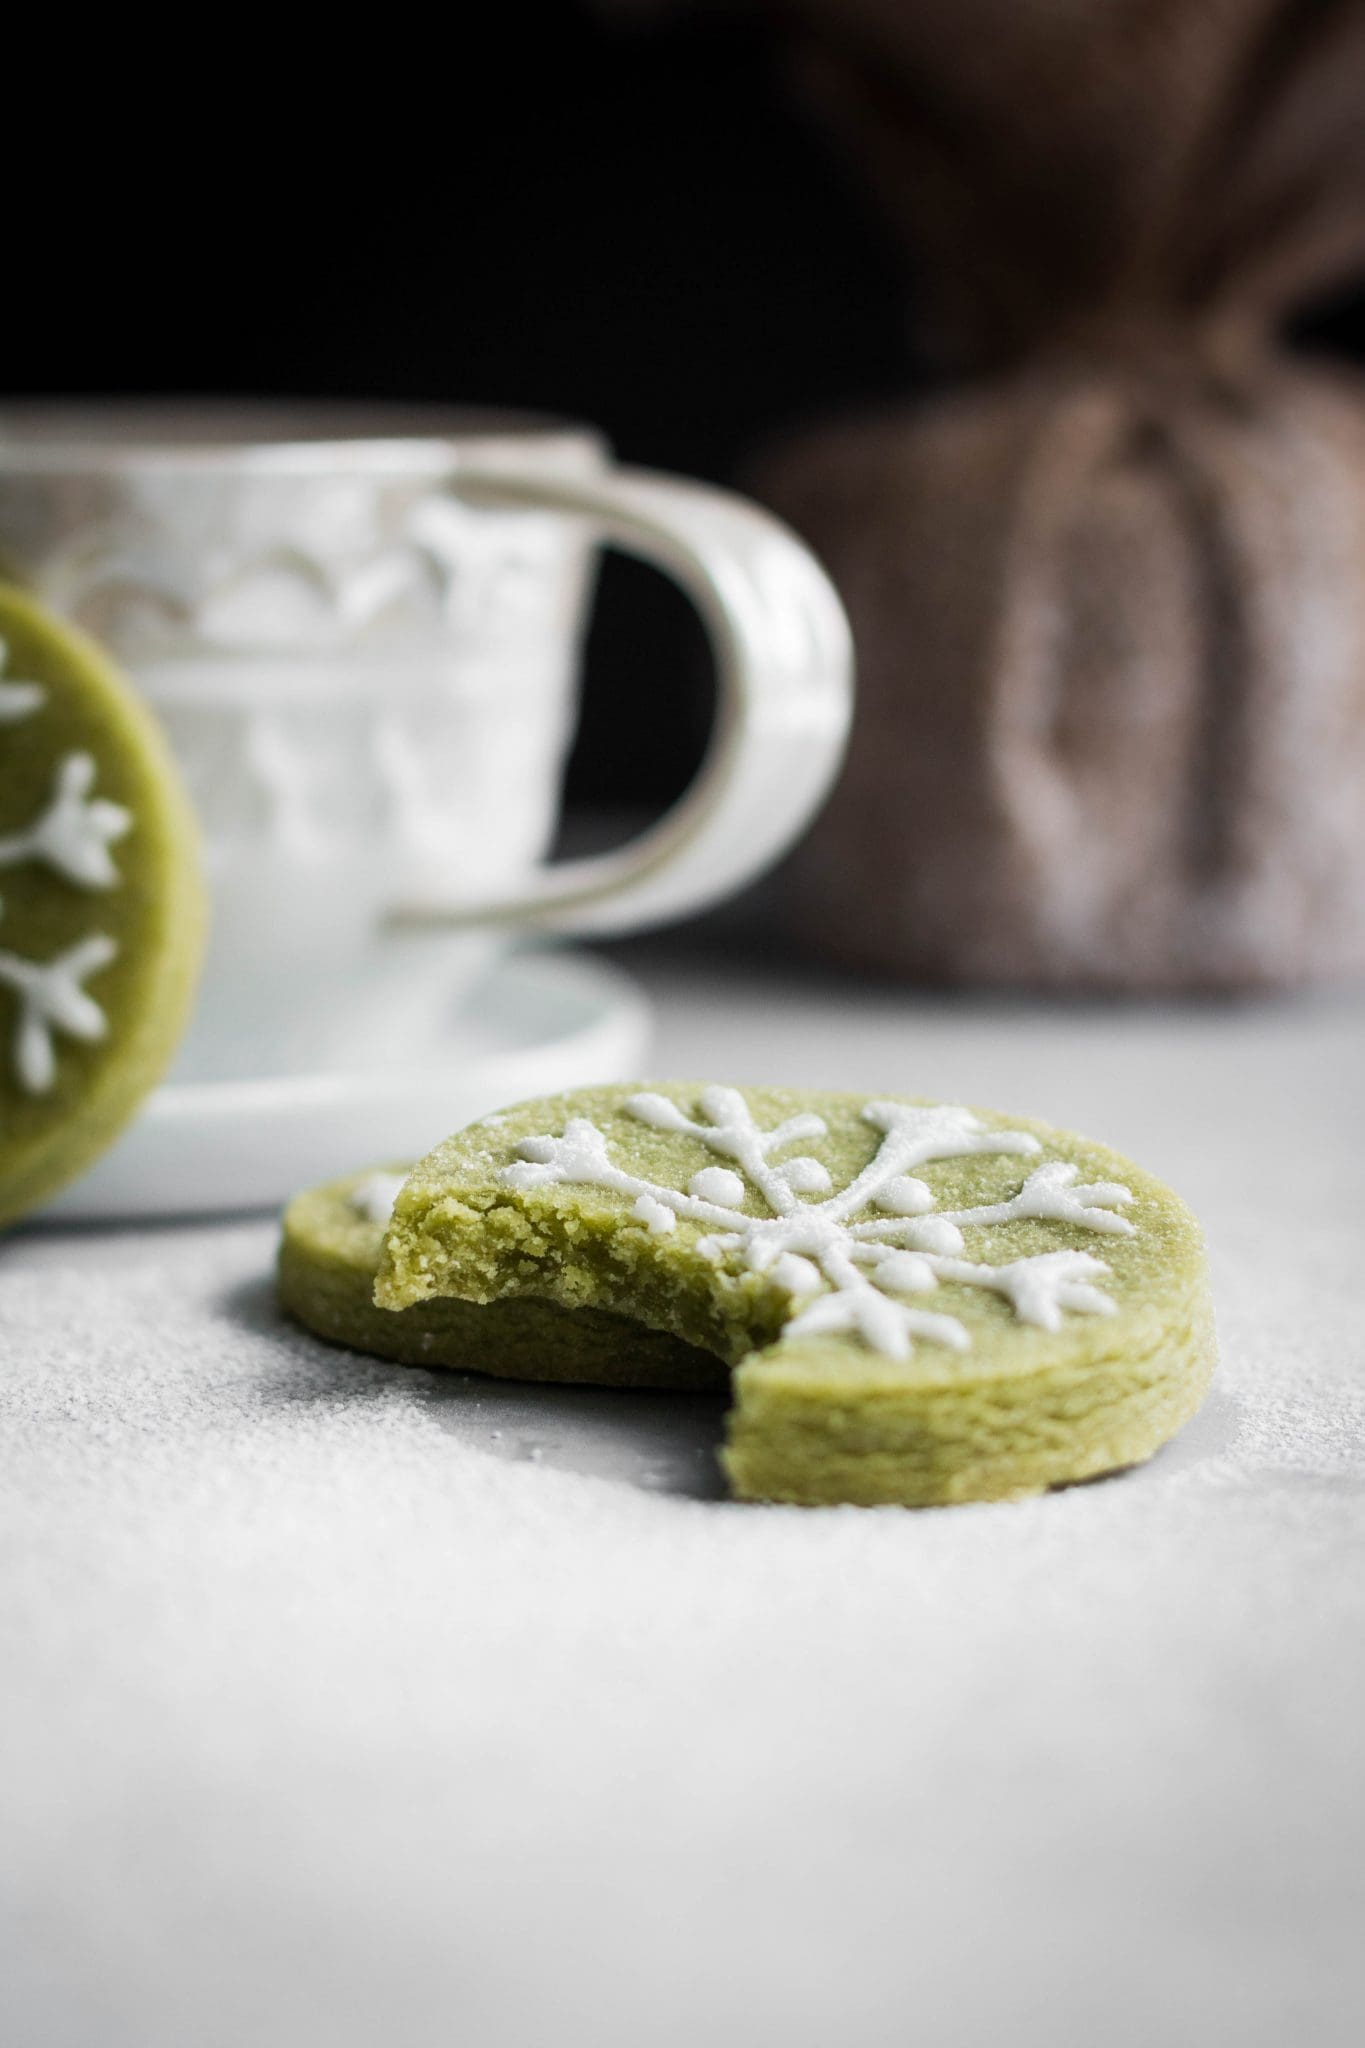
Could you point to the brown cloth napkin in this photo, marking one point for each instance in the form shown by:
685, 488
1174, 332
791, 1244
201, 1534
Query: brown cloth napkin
1108, 591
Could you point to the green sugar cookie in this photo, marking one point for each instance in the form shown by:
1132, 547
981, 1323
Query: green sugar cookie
101, 903
329, 1256
922, 1303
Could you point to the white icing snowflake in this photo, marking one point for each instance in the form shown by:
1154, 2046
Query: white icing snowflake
843, 1269
71, 835
52, 999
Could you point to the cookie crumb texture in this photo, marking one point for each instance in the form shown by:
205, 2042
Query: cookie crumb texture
101, 903
329, 1253
921, 1303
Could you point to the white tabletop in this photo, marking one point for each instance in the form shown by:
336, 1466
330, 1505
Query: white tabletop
348, 1704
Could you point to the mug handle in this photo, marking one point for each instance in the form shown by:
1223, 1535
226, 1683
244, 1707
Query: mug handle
784, 663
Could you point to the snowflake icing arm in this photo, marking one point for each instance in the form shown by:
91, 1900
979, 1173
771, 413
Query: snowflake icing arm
732, 1131
884, 1325
857, 1308
74, 833
914, 1134
51, 999
1039, 1288
1049, 1193
17, 699
581, 1156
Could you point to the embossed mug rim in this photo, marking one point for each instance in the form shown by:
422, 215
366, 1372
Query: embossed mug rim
275, 435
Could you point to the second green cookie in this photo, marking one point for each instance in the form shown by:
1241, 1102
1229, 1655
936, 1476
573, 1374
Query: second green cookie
101, 903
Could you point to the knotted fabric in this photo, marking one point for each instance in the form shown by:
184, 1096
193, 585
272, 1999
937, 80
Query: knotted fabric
1108, 587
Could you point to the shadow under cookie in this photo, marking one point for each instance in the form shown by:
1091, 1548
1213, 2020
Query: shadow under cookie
662, 1440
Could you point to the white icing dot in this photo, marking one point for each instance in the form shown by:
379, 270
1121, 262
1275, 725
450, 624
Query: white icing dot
538, 1149
656, 1216
906, 1273
656, 1111
806, 1176
936, 1234
905, 1196
374, 1197
796, 1275
717, 1184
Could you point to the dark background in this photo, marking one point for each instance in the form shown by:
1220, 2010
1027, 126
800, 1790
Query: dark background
569, 208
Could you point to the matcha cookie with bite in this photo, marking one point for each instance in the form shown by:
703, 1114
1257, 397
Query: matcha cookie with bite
101, 903
329, 1256
922, 1303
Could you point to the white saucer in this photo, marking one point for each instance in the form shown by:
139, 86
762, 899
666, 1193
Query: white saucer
537, 1022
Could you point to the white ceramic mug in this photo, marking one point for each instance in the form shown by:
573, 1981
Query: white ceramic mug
361, 631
